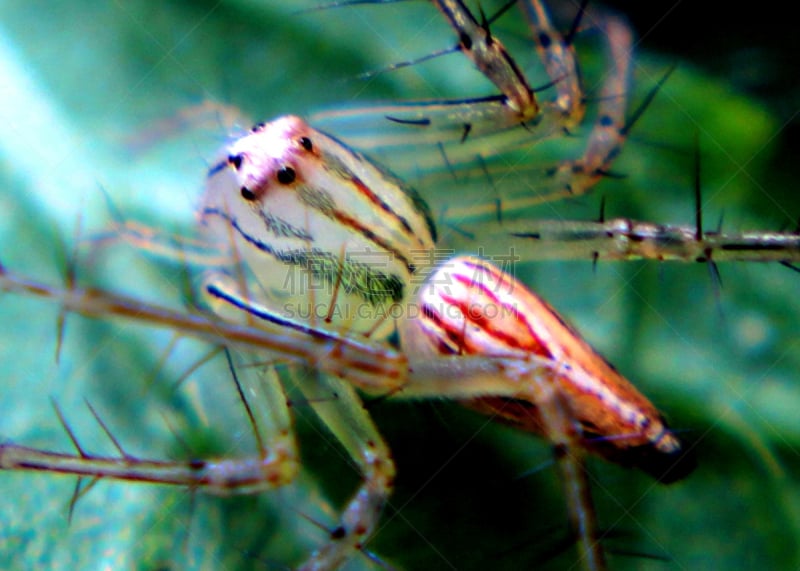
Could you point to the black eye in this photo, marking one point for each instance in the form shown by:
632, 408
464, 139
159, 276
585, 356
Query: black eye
235, 161
305, 142
247, 194
258, 127
286, 175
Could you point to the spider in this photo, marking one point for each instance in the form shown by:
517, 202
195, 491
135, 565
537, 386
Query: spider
490, 343
250, 302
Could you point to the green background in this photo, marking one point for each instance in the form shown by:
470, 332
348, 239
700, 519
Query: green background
89, 96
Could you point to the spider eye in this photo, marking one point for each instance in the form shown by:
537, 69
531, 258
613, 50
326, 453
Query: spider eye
286, 175
258, 127
248, 194
235, 161
305, 142
545, 40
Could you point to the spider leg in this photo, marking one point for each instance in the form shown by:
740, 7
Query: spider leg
557, 53
348, 420
275, 464
265, 403
521, 187
357, 358
574, 178
625, 239
564, 434
493, 142
491, 58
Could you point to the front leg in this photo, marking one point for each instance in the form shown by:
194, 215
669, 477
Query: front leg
335, 401
339, 407
273, 466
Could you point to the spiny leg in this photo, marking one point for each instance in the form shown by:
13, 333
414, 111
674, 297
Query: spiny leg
522, 187
611, 125
483, 131
360, 359
475, 40
510, 119
341, 410
625, 239
621, 239
336, 403
564, 434
557, 52
558, 56
275, 464
491, 58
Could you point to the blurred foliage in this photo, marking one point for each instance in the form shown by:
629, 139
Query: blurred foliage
90, 100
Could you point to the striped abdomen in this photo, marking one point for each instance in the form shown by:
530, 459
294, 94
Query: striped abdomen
470, 307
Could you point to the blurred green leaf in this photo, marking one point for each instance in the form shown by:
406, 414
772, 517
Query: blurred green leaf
90, 92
